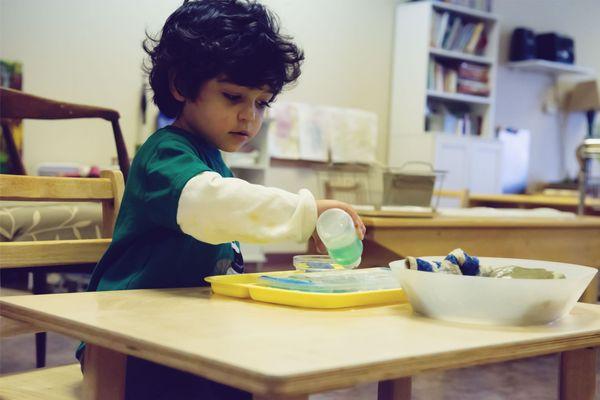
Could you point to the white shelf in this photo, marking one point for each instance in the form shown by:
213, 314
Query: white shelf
464, 10
550, 67
458, 55
464, 98
411, 98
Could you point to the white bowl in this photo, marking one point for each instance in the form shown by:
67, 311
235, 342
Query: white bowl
496, 301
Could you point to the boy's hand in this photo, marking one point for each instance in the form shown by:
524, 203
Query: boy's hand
323, 205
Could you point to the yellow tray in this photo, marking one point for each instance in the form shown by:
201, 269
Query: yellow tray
237, 285
244, 286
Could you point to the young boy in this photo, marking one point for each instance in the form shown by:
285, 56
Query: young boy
216, 67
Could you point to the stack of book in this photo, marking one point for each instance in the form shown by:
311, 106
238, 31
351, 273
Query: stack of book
473, 79
461, 122
451, 32
466, 78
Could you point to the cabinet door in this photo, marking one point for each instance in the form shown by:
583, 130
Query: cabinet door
485, 167
452, 156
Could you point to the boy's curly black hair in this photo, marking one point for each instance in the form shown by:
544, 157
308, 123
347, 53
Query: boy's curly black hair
203, 39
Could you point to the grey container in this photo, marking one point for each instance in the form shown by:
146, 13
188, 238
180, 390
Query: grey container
409, 186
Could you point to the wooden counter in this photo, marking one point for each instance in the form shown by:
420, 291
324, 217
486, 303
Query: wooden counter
571, 240
564, 203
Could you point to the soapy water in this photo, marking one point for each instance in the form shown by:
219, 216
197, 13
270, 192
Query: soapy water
348, 254
335, 281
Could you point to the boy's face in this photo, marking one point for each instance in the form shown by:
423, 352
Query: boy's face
224, 113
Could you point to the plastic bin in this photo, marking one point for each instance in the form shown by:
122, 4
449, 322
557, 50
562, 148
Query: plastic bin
410, 185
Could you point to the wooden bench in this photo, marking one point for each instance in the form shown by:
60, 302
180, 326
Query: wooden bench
56, 383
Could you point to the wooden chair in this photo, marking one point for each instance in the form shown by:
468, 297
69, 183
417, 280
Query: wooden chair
46, 255
462, 196
17, 105
56, 383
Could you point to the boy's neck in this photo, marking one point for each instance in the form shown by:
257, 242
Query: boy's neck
181, 126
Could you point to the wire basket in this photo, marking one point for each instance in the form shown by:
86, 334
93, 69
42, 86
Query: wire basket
375, 187
346, 182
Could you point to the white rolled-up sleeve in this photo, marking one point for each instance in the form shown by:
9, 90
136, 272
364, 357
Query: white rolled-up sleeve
216, 210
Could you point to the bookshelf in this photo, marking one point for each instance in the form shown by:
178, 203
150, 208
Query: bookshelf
443, 92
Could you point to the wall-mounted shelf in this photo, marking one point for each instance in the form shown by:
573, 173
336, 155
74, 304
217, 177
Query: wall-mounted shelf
550, 67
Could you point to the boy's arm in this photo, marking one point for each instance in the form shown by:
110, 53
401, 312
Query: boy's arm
215, 210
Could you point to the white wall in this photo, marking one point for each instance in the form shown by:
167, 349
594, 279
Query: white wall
90, 52
80, 51
520, 94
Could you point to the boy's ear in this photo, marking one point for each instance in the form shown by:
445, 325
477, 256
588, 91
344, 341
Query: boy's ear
173, 88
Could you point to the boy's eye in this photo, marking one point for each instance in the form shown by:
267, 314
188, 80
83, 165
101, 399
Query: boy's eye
261, 105
232, 97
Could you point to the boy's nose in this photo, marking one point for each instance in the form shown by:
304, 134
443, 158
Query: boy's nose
248, 113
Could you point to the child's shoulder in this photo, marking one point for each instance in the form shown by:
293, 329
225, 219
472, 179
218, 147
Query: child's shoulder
171, 147
166, 139
169, 135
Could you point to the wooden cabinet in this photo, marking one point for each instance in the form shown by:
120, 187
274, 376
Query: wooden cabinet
470, 163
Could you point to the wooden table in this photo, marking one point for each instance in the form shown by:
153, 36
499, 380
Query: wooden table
565, 203
575, 241
281, 352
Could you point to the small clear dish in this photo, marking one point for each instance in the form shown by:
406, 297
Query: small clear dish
315, 262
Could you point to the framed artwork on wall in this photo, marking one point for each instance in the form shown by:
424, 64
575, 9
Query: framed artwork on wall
11, 76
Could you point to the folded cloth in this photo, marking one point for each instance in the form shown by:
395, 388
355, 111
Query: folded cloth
458, 262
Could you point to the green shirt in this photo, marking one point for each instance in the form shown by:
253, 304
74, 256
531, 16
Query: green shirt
149, 250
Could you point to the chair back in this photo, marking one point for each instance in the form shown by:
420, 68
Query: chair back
17, 105
108, 189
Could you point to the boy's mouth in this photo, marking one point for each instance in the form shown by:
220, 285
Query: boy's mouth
241, 133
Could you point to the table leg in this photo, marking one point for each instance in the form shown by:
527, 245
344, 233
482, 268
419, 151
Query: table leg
578, 374
104, 373
397, 389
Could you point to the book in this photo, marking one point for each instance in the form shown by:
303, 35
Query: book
441, 31
464, 35
435, 26
454, 31
482, 44
466, 86
450, 81
474, 72
431, 74
474, 39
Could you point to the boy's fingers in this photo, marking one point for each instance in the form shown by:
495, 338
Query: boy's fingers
320, 247
360, 228
358, 224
